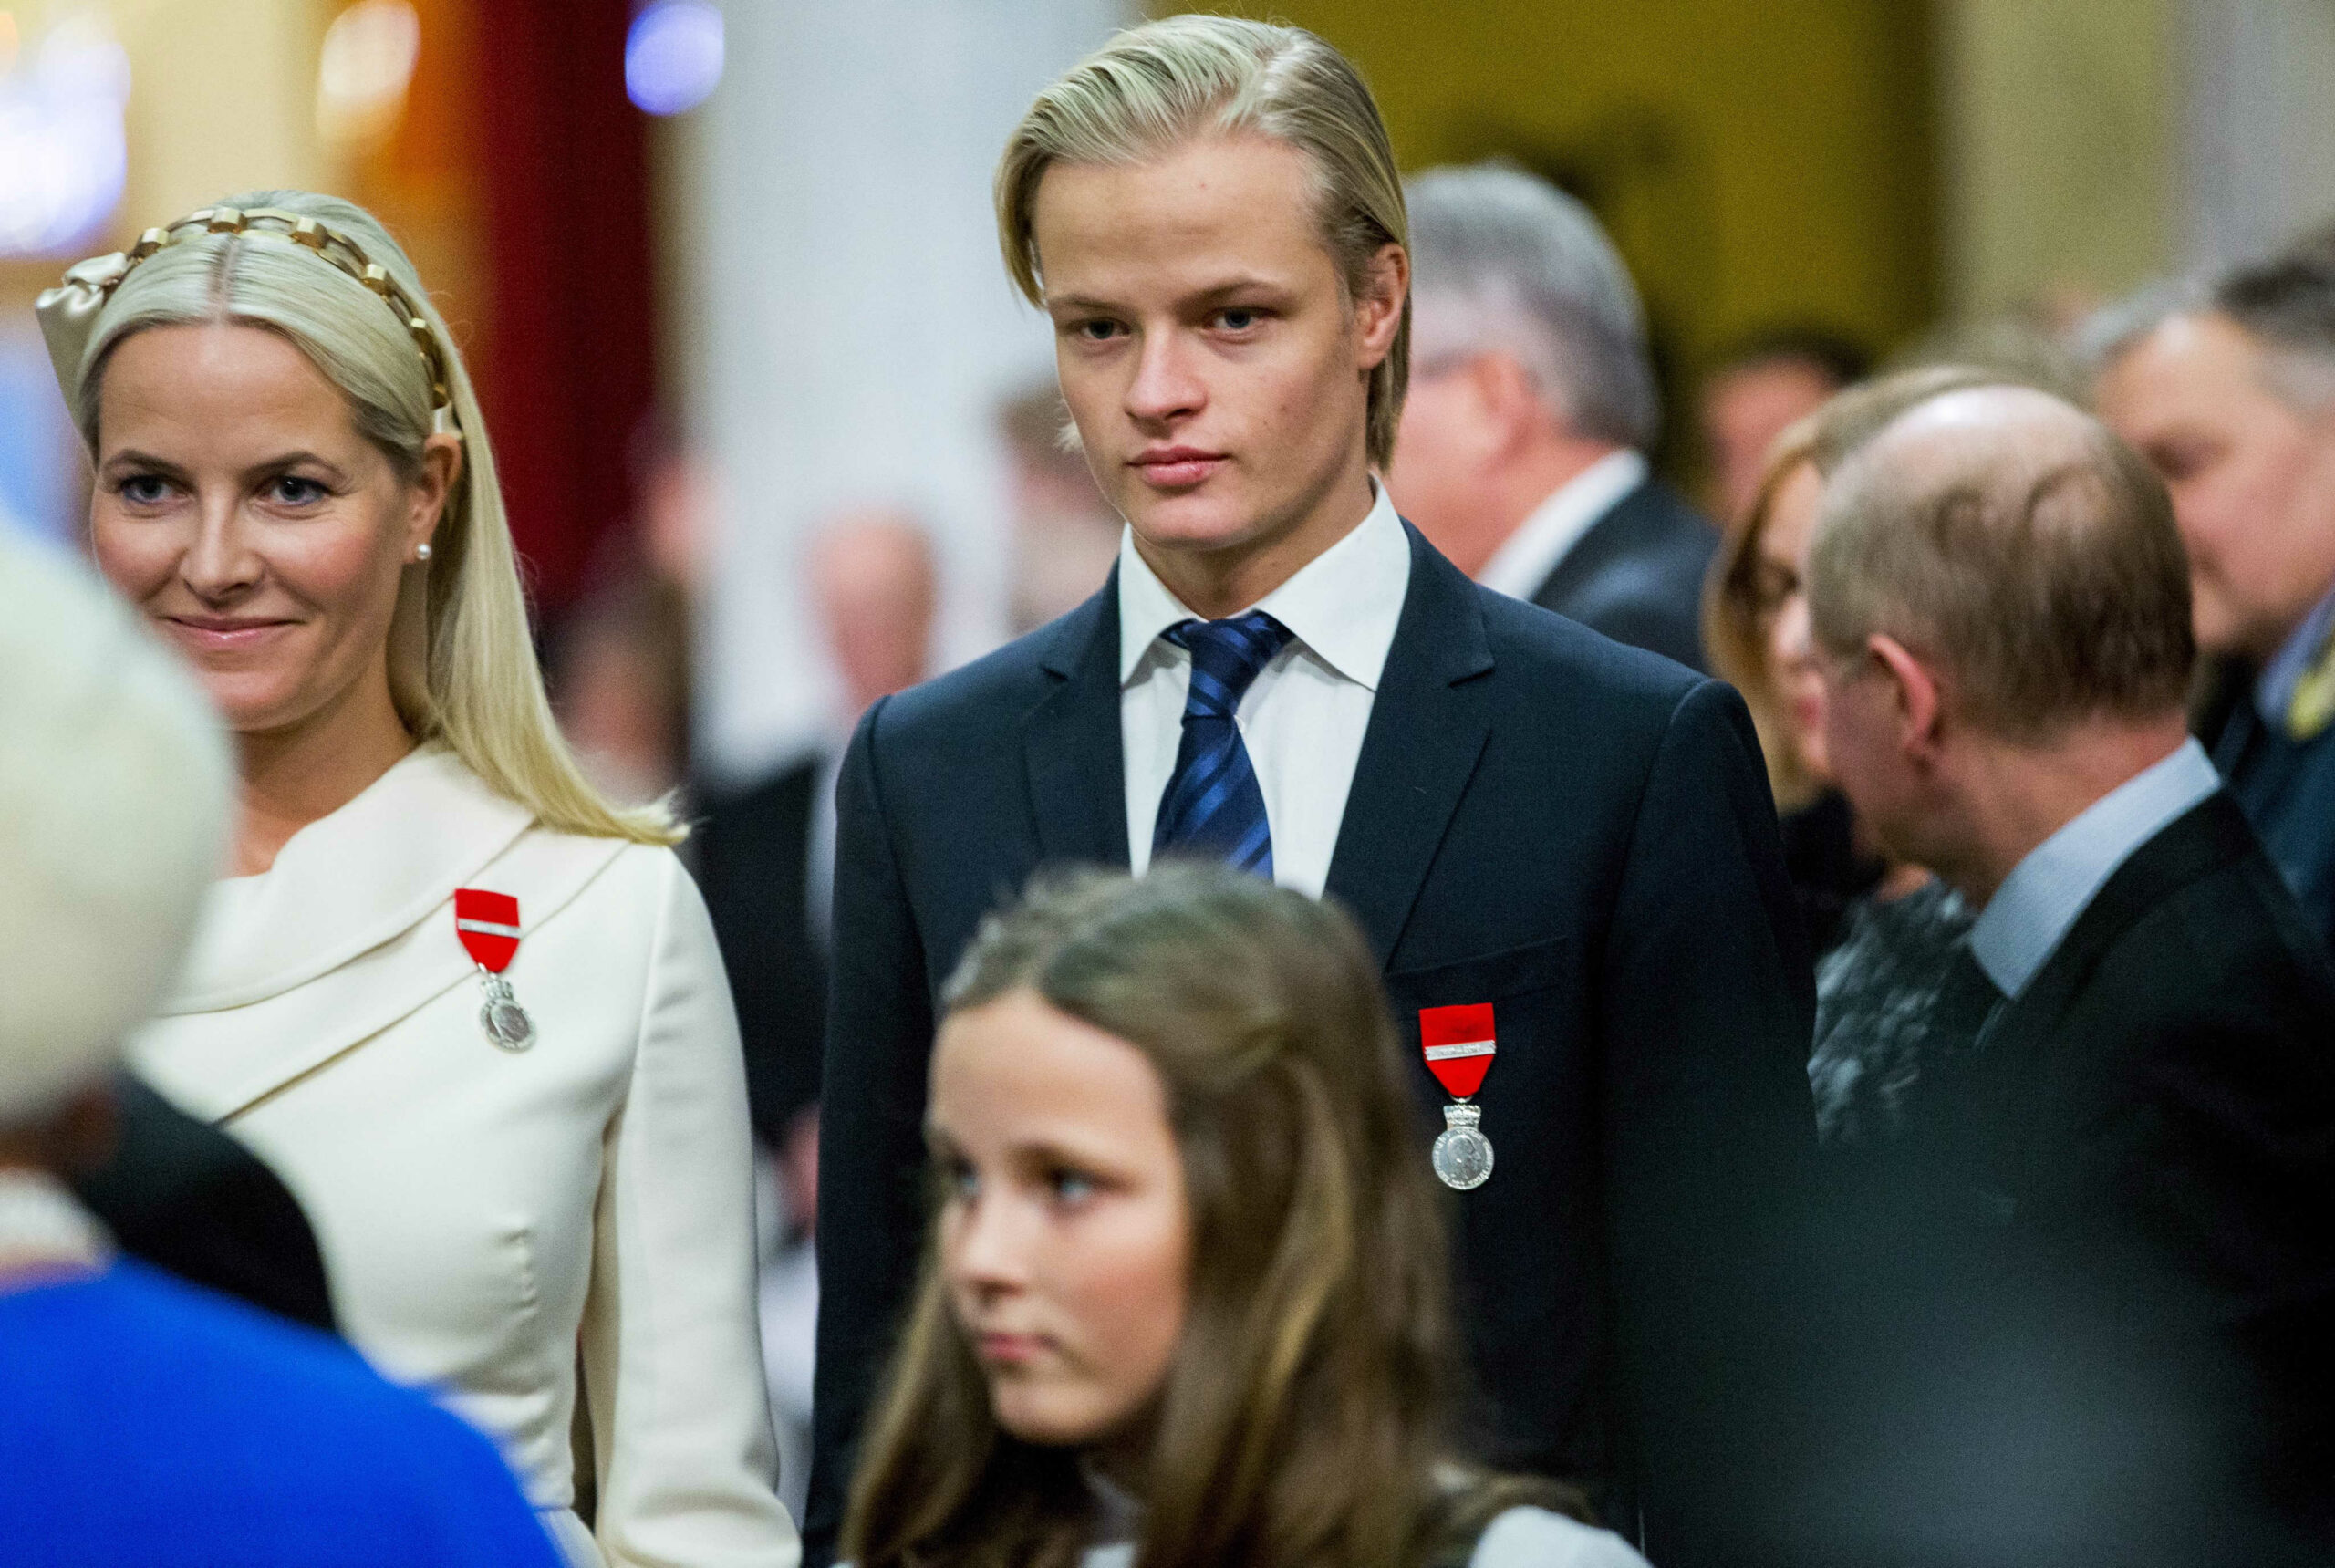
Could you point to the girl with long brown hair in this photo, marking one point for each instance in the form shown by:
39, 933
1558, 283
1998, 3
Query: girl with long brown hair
1184, 1301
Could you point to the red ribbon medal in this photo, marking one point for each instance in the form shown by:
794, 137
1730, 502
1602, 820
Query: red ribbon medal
488, 924
1459, 1044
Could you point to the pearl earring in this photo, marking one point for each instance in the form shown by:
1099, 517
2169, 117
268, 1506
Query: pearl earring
422, 552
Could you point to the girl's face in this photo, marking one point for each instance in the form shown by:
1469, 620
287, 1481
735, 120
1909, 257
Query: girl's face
238, 506
1066, 1237
1783, 606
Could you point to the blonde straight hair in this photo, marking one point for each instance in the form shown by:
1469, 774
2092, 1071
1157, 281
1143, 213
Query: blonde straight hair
462, 666
1166, 82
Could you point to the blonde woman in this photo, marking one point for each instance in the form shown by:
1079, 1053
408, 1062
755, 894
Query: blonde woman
1188, 1300
470, 1012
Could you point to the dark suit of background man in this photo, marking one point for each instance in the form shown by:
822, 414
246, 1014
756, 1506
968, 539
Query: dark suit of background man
2231, 397
1519, 811
2097, 1322
1532, 404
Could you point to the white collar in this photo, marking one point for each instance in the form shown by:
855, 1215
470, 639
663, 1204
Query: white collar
349, 882
1342, 606
2030, 914
1524, 561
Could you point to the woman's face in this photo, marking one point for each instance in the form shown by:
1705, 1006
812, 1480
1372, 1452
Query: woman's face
1066, 1237
1783, 606
238, 506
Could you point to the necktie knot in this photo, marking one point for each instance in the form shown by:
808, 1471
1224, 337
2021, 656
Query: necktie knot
1227, 657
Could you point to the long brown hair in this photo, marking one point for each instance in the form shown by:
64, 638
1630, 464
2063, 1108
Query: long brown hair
1303, 1420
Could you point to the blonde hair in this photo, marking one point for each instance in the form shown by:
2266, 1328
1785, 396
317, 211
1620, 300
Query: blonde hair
1169, 82
462, 667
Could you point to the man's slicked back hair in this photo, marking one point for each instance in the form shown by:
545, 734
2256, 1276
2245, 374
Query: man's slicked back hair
1168, 82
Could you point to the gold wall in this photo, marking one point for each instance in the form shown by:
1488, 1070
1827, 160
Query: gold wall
1760, 164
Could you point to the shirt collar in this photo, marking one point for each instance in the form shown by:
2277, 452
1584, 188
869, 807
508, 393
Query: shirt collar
1342, 606
1523, 562
2274, 691
2029, 915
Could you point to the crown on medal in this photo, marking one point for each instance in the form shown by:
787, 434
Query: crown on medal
1461, 1115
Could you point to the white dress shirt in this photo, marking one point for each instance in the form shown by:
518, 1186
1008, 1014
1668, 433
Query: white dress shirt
1520, 566
2029, 915
1303, 717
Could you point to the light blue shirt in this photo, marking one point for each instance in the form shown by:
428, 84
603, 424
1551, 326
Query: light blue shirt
2023, 924
2274, 688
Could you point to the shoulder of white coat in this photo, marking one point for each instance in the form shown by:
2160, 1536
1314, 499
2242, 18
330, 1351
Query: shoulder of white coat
1537, 1538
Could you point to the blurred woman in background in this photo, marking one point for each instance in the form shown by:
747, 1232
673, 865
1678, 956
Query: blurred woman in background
471, 1012
1885, 934
1186, 1294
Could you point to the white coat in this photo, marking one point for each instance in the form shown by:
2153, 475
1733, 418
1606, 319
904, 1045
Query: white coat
494, 1219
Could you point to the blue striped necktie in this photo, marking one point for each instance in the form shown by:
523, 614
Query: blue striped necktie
1212, 805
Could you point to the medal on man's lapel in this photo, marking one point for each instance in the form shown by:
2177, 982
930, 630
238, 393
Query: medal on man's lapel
1459, 1044
488, 924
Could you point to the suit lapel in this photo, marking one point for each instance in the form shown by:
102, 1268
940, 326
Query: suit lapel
1070, 739
1427, 727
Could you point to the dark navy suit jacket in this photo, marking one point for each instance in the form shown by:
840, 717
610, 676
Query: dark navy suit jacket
1638, 574
1578, 832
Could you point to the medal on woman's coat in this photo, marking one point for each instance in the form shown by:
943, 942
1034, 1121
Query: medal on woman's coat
488, 924
1459, 1044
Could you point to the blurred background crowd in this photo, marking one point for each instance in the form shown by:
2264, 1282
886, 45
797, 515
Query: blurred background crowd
778, 438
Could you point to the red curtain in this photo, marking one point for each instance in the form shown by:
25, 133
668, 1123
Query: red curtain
570, 375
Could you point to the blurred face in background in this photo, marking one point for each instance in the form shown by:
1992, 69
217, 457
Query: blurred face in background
2252, 477
1744, 410
1066, 1234
1782, 578
1209, 352
238, 506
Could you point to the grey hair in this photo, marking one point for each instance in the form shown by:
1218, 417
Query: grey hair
1533, 271
2116, 328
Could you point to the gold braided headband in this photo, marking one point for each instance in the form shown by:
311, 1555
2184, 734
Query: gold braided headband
69, 313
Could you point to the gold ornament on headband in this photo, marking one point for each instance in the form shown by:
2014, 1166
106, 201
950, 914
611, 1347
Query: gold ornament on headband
69, 313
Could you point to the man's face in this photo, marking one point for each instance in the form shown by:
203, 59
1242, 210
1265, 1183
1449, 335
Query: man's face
1744, 411
2252, 478
1217, 372
1864, 736
1455, 435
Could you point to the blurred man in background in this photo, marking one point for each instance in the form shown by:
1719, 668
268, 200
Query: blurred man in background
2231, 398
1522, 454
1066, 536
766, 864
2094, 1325
142, 1419
1758, 390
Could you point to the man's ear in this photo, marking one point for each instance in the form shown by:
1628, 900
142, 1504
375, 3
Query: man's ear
1378, 304
1920, 704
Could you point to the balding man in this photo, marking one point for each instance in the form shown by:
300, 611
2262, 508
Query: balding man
2109, 1257
1521, 454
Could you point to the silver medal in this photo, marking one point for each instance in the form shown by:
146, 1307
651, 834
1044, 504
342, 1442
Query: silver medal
1463, 1155
506, 1022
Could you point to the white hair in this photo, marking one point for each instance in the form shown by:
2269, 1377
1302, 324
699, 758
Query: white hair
1513, 262
115, 790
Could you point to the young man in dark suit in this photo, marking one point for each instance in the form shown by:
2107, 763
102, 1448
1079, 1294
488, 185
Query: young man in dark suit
1562, 850
2096, 1318
1531, 405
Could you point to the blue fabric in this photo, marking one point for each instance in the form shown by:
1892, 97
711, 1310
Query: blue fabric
2286, 789
1212, 805
145, 1422
2274, 688
2023, 923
